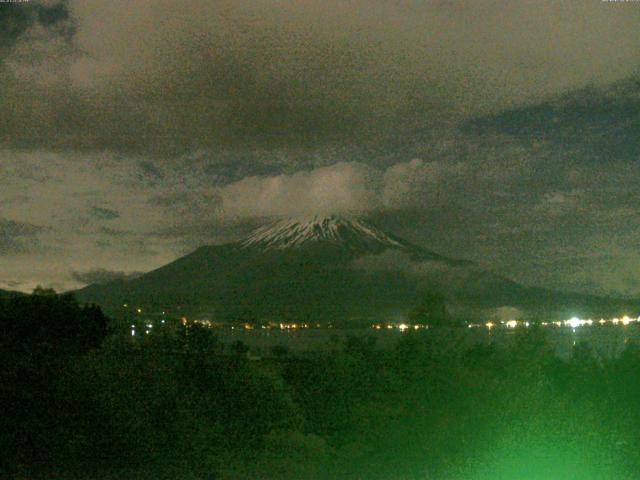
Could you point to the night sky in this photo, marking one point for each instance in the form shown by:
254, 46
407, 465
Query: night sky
507, 133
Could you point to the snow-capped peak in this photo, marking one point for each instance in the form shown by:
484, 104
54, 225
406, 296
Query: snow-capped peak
296, 232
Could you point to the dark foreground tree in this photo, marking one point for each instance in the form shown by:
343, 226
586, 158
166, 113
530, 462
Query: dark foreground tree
48, 319
431, 309
41, 337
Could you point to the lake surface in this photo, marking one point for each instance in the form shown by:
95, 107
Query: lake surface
606, 341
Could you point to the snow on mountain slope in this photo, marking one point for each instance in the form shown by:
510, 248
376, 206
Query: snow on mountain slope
333, 229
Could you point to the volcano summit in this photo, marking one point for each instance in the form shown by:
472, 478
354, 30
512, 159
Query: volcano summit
339, 230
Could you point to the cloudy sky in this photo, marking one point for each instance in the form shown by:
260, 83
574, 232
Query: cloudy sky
502, 132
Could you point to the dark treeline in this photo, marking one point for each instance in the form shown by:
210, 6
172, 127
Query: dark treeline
78, 403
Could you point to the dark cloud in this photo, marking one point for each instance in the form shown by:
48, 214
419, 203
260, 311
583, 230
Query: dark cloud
149, 170
168, 77
171, 199
11, 228
104, 213
16, 18
601, 123
17, 237
112, 232
100, 275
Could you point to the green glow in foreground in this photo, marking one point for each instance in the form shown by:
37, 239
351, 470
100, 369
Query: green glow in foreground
544, 458
550, 464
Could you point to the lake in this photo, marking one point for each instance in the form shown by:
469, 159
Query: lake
606, 341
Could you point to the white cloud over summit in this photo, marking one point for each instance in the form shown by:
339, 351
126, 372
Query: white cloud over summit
341, 188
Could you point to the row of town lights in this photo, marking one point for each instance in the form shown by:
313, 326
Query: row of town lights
573, 322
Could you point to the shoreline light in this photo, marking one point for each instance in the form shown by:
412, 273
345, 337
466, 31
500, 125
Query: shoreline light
574, 322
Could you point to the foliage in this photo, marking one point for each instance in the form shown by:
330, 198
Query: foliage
41, 337
176, 408
431, 309
47, 319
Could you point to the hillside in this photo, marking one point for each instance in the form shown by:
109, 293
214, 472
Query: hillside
329, 268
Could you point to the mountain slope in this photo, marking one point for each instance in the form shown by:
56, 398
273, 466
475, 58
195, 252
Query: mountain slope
323, 268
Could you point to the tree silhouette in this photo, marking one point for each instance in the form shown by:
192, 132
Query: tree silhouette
46, 318
239, 348
430, 310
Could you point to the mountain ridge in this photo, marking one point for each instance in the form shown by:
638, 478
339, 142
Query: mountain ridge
325, 268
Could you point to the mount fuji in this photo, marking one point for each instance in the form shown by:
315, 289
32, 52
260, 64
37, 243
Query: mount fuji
331, 268
346, 232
